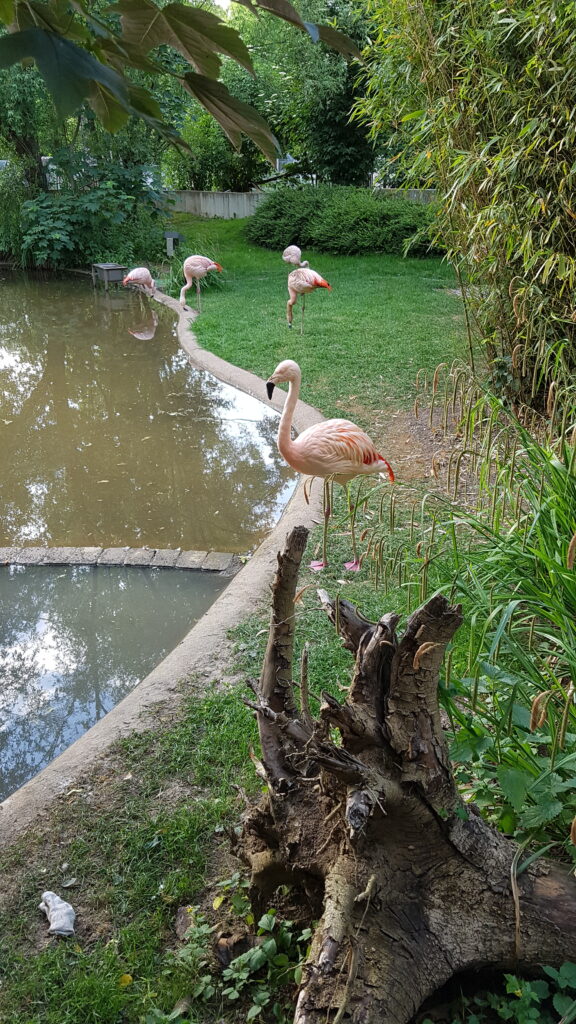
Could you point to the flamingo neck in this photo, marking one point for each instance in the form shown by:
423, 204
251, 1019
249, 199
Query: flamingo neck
285, 442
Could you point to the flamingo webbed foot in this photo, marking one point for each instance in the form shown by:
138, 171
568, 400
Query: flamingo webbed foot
353, 566
317, 566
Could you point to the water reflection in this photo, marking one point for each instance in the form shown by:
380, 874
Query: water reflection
147, 330
110, 437
74, 641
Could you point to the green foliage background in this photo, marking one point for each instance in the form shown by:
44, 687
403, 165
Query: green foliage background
482, 96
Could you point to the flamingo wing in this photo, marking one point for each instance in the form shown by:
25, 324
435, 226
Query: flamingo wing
338, 447
140, 275
197, 266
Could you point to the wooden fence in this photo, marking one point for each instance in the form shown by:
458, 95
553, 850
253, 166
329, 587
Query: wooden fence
242, 204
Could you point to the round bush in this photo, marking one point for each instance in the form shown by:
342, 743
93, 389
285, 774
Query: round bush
342, 220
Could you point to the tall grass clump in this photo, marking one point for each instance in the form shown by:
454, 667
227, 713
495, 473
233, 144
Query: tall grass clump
502, 541
342, 220
481, 96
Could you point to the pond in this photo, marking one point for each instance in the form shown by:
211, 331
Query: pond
74, 640
109, 437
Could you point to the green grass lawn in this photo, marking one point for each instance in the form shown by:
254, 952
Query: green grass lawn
363, 342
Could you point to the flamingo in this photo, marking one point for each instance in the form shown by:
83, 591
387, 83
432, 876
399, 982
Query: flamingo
334, 450
293, 254
142, 277
300, 282
194, 268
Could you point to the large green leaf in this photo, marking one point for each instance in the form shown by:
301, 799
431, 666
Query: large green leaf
54, 17
112, 114
197, 34
514, 785
6, 11
144, 103
338, 41
119, 53
67, 69
284, 9
234, 116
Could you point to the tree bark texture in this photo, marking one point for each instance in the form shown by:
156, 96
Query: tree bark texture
410, 885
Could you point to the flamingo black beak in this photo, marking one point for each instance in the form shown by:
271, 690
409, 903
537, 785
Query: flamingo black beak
270, 387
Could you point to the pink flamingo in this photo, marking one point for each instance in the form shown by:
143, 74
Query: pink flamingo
334, 450
142, 277
293, 254
194, 268
300, 282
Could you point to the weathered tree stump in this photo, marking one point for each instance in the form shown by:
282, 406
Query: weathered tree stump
411, 884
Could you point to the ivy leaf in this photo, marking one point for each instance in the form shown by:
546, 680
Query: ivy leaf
234, 116
67, 69
197, 34
514, 785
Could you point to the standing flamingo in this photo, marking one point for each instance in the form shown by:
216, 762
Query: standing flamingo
334, 450
300, 282
194, 268
142, 277
293, 254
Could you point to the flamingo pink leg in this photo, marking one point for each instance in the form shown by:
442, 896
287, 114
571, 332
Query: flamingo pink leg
317, 566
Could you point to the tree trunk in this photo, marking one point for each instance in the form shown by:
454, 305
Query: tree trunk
410, 884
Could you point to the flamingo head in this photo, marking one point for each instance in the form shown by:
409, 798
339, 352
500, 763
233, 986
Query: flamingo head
286, 372
216, 266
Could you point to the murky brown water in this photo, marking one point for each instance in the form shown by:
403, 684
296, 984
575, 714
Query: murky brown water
108, 436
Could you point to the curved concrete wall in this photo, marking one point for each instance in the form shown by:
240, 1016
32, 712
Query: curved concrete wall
203, 651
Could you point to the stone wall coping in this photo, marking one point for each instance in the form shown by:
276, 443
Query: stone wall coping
155, 558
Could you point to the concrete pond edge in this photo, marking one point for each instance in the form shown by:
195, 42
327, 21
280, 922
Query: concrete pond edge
146, 558
203, 652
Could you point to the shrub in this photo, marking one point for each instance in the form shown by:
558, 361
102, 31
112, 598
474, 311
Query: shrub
341, 220
285, 217
104, 223
13, 191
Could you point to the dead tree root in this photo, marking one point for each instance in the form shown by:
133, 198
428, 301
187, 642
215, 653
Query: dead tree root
413, 886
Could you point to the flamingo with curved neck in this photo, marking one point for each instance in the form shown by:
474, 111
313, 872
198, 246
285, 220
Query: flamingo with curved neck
334, 450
